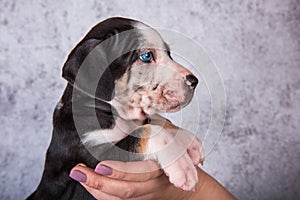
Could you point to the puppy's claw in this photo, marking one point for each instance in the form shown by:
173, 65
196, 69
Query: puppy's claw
201, 162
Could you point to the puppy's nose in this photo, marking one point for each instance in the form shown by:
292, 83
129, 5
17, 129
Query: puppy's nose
191, 80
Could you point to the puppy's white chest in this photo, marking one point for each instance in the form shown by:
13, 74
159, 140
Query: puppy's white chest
121, 129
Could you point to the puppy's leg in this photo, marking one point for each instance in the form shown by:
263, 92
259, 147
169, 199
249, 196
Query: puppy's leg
184, 137
175, 149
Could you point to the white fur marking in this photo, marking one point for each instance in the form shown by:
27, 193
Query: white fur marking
102, 136
121, 129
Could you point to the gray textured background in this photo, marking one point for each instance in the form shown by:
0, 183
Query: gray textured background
255, 44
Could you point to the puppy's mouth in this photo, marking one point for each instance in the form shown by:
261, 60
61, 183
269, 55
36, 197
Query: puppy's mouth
170, 101
173, 101
158, 99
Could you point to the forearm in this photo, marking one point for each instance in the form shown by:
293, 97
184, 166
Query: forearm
209, 188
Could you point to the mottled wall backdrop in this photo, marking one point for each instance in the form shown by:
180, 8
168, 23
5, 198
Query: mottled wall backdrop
255, 44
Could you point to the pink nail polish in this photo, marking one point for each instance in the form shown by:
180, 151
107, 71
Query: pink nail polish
78, 176
103, 170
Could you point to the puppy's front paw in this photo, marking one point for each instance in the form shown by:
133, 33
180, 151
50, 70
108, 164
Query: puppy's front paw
177, 151
195, 152
182, 173
191, 143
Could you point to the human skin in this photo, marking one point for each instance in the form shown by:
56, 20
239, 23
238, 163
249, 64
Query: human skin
142, 180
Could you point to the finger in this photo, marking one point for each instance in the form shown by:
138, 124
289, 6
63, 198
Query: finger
119, 188
99, 194
130, 171
139, 190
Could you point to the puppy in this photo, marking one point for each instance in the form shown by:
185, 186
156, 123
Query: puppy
120, 76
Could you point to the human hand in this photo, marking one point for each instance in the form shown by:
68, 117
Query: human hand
142, 180
113, 180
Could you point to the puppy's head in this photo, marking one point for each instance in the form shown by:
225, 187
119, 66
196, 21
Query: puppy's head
154, 82
142, 79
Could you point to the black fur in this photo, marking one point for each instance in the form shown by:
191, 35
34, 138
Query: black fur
66, 149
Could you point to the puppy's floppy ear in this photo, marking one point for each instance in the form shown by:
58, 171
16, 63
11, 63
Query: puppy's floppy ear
87, 69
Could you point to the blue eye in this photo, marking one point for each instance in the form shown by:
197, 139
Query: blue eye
146, 57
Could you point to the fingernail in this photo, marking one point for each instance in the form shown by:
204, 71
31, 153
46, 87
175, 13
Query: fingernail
103, 170
78, 176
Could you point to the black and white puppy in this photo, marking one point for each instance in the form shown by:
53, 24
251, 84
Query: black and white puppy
120, 76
